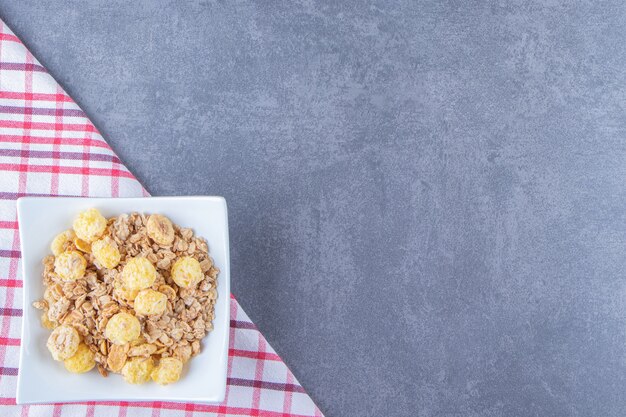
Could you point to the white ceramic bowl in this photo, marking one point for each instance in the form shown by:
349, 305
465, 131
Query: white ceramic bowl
43, 380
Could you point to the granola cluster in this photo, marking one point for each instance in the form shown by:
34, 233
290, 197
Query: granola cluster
133, 294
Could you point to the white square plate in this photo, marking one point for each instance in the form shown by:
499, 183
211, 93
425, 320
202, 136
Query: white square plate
43, 380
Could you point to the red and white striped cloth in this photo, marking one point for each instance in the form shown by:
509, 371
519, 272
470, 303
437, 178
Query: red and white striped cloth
49, 147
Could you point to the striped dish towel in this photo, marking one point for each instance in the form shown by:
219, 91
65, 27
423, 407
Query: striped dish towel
49, 147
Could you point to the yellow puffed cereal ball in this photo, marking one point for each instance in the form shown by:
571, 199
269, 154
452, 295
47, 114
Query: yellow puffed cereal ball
149, 302
63, 342
137, 370
122, 328
70, 266
58, 243
120, 291
168, 371
90, 225
138, 273
82, 361
160, 229
187, 272
106, 253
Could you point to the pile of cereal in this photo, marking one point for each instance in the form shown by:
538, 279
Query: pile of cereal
133, 294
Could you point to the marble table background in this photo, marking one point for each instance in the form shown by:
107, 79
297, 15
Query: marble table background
427, 199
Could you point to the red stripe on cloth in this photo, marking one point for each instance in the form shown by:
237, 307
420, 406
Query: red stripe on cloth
56, 146
11, 283
42, 111
206, 408
70, 127
16, 66
231, 345
8, 371
11, 312
156, 411
201, 408
242, 325
8, 225
57, 155
9, 253
41, 140
102, 172
85, 178
9, 341
258, 375
189, 409
277, 386
123, 407
18, 95
289, 395
115, 183
255, 355
9, 37
91, 409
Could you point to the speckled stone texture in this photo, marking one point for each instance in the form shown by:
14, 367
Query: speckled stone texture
427, 199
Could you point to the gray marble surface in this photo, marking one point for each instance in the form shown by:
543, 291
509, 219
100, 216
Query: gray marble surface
427, 199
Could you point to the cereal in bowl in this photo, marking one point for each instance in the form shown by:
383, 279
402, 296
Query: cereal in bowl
132, 294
